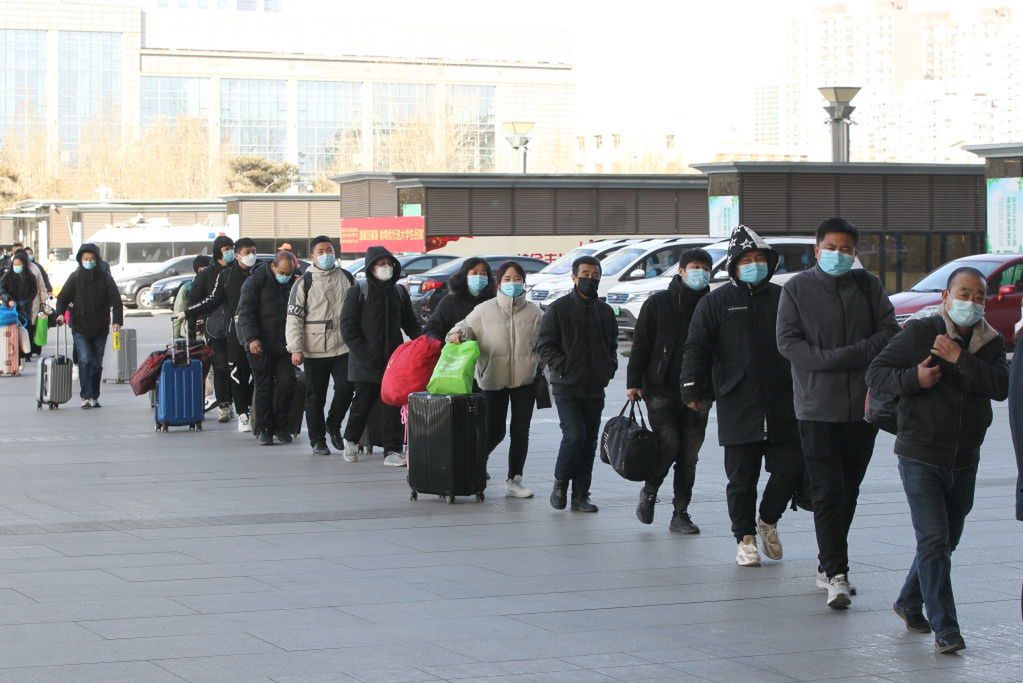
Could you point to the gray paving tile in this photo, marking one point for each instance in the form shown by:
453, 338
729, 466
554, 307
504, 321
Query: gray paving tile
116, 672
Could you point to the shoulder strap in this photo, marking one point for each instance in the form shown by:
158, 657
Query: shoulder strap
351, 280
307, 282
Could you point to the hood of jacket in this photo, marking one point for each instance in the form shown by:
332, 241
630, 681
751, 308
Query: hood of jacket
375, 253
88, 248
743, 241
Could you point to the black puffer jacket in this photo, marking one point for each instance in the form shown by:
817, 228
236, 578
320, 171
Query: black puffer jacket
658, 343
578, 342
225, 294
731, 355
91, 295
946, 424
263, 309
372, 319
20, 287
453, 309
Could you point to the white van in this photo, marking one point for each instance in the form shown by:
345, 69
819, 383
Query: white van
643, 260
139, 249
557, 270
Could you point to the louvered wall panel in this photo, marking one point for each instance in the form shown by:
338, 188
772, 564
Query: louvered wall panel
907, 203
355, 199
693, 212
491, 211
91, 222
292, 218
325, 218
982, 215
763, 202
124, 217
576, 213
256, 219
656, 211
534, 212
448, 211
182, 218
860, 201
383, 198
7, 230
813, 200
215, 218
617, 211
955, 203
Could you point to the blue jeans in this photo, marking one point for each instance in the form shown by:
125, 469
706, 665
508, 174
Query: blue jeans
939, 500
90, 362
580, 427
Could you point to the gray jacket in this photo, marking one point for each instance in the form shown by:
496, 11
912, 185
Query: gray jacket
313, 325
831, 329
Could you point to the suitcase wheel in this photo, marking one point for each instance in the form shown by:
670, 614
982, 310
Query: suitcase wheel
451, 500
480, 497
53, 406
39, 405
414, 495
198, 426
191, 428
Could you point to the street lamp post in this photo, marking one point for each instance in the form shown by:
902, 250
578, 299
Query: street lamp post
839, 110
518, 137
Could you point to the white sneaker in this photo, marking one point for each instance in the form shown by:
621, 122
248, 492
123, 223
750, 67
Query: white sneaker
224, 414
516, 489
822, 582
838, 592
746, 554
351, 453
243, 422
394, 459
769, 536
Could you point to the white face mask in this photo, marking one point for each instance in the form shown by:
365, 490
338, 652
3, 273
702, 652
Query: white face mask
248, 260
383, 273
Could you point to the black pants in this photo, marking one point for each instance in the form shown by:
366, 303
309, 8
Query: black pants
837, 455
221, 371
680, 432
240, 373
318, 373
742, 467
580, 428
274, 377
366, 396
521, 400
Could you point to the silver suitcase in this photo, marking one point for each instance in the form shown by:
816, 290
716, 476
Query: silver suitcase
120, 365
53, 383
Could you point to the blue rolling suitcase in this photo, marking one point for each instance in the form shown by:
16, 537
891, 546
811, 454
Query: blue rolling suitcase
179, 396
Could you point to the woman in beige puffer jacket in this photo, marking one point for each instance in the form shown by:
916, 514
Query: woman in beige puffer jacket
506, 328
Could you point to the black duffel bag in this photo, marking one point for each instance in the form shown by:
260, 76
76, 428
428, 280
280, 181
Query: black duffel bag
629, 446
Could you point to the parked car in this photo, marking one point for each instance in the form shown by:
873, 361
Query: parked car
163, 292
557, 270
135, 289
1004, 273
430, 287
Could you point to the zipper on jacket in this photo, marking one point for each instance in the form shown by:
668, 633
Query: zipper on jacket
845, 340
959, 430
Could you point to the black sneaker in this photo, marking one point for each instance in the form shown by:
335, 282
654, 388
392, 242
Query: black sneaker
682, 523
645, 509
952, 644
284, 437
559, 496
336, 440
266, 438
915, 621
583, 504
320, 448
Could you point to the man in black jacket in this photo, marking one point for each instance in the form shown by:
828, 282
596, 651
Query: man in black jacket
372, 319
944, 411
216, 334
262, 314
91, 295
732, 340
578, 342
219, 308
655, 366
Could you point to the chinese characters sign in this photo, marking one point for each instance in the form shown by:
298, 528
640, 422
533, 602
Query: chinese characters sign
397, 233
1004, 215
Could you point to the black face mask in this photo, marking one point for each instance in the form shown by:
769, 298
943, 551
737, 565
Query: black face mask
587, 286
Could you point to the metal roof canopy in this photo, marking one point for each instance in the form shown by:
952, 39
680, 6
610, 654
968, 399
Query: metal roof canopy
517, 180
852, 168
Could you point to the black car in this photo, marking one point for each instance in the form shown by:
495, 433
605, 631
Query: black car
166, 290
428, 289
135, 290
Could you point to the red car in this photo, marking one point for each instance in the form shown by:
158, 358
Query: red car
1004, 273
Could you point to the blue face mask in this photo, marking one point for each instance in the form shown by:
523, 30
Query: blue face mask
31, 258
282, 279
228, 255
697, 279
88, 265
512, 289
753, 273
325, 261
18, 269
835, 263
476, 283
965, 313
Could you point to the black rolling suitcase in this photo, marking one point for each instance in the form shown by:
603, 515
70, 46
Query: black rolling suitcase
447, 449
296, 412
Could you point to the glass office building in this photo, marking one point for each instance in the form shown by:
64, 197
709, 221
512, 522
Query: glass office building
22, 80
89, 83
253, 116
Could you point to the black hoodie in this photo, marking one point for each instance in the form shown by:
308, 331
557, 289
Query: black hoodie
263, 309
372, 319
91, 295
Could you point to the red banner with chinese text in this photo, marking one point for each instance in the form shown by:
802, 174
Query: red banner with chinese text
397, 233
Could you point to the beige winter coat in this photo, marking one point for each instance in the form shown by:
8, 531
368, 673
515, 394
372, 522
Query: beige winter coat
506, 330
313, 325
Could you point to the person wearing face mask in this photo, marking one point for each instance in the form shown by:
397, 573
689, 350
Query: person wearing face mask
832, 322
314, 341
95, 304
506, 328
655, 366
219, 308
731, 356
578, 342
470, 286
200, 263
200, 314
373, 317
261, 323
19, 289
945, 370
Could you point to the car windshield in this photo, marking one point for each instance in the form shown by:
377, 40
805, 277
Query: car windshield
564, 264
449, 268
936, 280
620, 260
356, 266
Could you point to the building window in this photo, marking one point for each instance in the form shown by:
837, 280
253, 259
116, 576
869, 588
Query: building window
598, 141
272, 5
246, 5
171, 97
616, 140
329, 126
22, 82
470, 129
89, 87
253, 116
404, 130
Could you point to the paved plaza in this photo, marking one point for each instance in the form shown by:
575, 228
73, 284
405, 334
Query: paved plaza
127, 555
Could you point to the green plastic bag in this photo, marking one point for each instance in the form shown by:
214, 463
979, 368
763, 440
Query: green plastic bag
453, 373
42, 330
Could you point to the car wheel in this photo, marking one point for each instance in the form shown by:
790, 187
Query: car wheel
143, 299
